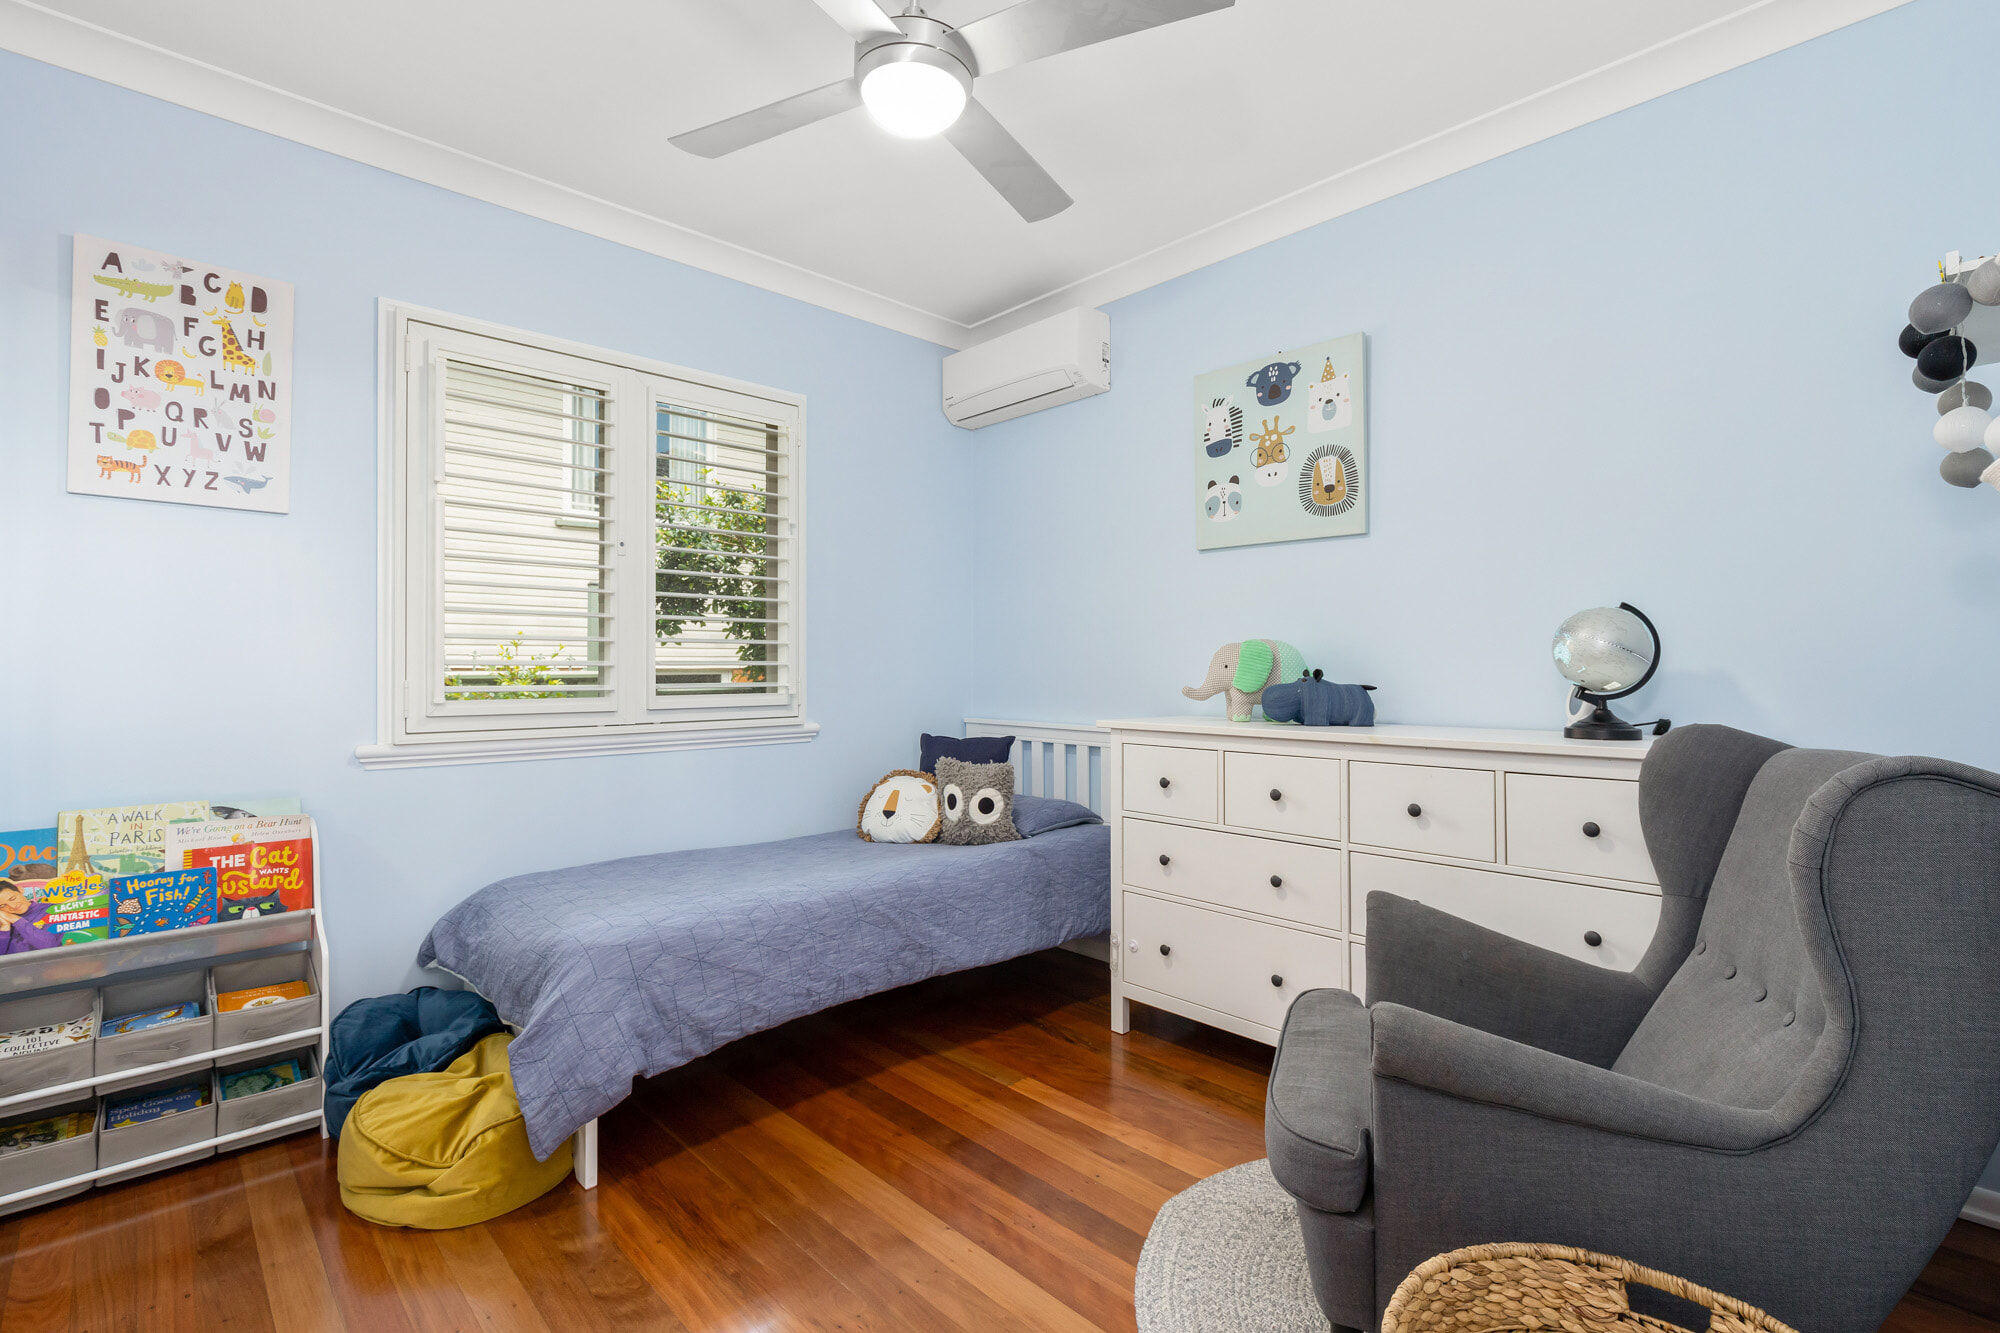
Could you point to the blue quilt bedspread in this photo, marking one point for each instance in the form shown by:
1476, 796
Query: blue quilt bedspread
632, 967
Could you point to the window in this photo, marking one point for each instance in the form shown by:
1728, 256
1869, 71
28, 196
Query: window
584, 552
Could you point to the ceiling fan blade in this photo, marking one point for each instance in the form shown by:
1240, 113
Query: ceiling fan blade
999, 157
1037, 28
768, 122
863, 19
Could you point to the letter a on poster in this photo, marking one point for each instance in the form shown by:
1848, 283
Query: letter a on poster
180, 380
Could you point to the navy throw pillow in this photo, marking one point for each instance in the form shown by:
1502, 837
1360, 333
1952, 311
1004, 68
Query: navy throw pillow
1044, 814
965, 749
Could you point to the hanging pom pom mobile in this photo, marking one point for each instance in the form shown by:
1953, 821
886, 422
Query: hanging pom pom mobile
1935, 339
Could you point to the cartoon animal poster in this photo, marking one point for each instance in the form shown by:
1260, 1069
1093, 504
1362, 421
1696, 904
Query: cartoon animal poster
180, 380
1281, 448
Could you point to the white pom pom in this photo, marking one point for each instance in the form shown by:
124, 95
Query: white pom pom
1984, 283
1962, 428
1991, 476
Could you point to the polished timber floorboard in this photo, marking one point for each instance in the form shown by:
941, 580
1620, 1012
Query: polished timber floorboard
975, 1152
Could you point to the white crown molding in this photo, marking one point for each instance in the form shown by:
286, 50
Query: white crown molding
1751, 33
100, 53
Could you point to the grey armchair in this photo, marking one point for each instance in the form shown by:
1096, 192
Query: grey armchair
1789, 1099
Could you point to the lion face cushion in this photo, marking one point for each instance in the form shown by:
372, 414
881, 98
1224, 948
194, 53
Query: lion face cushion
976, 802
902, 807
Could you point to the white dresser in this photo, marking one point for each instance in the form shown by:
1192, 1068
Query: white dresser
1242, 853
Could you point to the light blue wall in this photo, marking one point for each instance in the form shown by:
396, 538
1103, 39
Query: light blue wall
158, 651
1651, 360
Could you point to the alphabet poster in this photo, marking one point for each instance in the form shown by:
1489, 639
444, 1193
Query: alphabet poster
180, 380
1281, 447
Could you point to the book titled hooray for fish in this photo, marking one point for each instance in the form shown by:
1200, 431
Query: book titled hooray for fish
163, 900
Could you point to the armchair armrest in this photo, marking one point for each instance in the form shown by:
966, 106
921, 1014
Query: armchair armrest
1435, 1053
1436, 962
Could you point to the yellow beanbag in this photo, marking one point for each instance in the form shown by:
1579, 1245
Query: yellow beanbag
446, 1149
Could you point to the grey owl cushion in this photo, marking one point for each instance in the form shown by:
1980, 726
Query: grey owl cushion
976, 802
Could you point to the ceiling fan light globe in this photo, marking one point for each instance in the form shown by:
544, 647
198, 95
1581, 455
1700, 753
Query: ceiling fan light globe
912, 99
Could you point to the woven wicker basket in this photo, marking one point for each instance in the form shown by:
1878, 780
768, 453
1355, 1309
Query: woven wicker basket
1513, 1288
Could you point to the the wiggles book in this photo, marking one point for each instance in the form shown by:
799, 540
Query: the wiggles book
164, 900
69, 909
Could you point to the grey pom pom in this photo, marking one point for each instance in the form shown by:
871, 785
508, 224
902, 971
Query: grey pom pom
1964, 469
1926, 383
1965, 393
1983, 283
1938, 308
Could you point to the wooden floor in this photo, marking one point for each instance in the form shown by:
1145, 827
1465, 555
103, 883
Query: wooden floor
976, 1152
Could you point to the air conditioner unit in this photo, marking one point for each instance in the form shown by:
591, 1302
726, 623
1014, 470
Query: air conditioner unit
1056, 360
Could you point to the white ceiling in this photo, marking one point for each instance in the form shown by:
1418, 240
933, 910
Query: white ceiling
1181, 145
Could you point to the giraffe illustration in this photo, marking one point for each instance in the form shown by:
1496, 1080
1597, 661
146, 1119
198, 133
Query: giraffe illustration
233, 355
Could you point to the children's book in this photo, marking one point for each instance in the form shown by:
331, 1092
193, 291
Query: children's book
256, 997
43, 913
28, 854
254, 807
151, 1018
47, 1037
261, 865
15, 1135
122, 1111
250, 1082
122, 840
164, 900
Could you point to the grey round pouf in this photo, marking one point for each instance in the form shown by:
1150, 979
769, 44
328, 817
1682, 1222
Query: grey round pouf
1224, 1255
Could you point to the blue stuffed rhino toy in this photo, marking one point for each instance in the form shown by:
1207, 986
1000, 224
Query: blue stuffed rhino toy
1317, 702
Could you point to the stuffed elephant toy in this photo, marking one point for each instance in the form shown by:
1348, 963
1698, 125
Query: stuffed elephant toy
1244, 669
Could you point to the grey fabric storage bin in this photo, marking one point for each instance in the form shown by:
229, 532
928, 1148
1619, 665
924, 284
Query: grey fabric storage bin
171, 1041
261, 1108
169, 1131
30, 1167
47, 1069
266, 1020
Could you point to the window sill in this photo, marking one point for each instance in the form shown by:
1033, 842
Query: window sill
505, 750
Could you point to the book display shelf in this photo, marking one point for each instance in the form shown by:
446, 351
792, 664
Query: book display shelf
110, 977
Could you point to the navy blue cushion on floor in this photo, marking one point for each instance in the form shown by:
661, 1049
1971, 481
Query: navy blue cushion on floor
388, 1036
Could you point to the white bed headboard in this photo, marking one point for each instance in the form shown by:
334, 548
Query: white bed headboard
1052, 758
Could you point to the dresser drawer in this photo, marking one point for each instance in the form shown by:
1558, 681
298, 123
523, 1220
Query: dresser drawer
1580, 826
1282, 793
1250, 969
1284, 879
1555, 916
1170, 780
1443, 811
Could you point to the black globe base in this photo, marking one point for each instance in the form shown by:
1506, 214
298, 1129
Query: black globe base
1602, 725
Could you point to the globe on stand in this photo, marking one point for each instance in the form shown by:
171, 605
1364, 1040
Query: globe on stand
1607, 653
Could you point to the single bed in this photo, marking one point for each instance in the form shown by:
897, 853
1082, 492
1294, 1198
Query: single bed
632, 967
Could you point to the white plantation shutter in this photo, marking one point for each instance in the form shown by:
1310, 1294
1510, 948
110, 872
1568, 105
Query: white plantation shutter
724, 538
589, 546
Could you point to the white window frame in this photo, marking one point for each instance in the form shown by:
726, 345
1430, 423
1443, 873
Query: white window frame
634, 719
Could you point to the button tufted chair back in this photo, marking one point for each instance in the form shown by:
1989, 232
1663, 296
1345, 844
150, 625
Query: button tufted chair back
1741, 1019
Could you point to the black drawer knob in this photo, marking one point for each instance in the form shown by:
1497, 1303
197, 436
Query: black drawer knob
1277, 795
1165, 783
1277, 980
1590, 830
1415, 809
1277, 883
1592, 938
1164, 858
1166, 949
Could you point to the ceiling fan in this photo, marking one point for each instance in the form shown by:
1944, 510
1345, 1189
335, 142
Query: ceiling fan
914, 73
